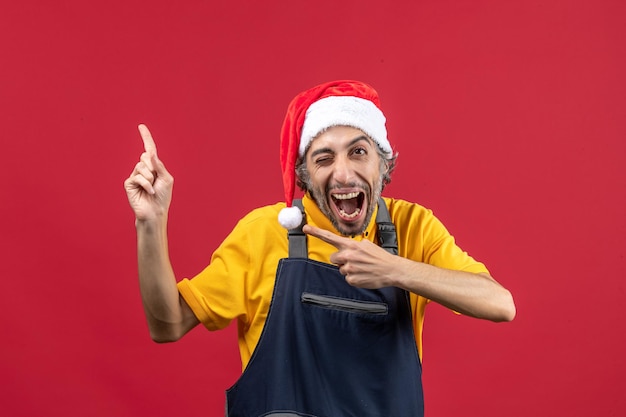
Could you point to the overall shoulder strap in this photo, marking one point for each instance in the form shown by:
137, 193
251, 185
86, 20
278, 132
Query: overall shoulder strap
297, 238
387, 237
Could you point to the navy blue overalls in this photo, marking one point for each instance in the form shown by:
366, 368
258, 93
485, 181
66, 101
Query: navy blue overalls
329, 349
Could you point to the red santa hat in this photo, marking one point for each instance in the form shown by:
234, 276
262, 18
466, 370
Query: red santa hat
335, 103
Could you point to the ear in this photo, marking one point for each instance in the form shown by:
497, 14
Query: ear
384, 165
386, 168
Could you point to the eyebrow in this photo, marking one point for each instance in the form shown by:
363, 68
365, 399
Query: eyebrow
329, 150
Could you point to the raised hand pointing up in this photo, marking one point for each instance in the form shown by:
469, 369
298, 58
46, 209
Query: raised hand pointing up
149, 191
149, 186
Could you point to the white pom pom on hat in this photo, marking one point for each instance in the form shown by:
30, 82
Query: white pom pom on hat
335, 103
290, 217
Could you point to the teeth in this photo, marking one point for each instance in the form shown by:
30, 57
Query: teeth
350, 216
346, 196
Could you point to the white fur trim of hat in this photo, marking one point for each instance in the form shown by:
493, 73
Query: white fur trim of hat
351, 111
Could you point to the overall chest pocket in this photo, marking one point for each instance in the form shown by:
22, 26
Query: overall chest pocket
344, 304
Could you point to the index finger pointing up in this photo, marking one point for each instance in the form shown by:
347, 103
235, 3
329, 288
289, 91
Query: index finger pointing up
148, 142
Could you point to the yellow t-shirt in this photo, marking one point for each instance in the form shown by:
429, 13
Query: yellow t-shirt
239, 281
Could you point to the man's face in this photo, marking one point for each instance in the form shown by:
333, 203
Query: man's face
345, 180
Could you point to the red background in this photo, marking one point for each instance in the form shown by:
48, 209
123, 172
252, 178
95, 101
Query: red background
509, 120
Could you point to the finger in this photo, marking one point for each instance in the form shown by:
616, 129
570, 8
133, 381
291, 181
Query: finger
337, 259
148, 142
337, 241
147, 159
142, 169
145, 184
159, 168
139, 181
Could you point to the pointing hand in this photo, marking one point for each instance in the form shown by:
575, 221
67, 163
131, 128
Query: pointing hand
149, 186
363, 263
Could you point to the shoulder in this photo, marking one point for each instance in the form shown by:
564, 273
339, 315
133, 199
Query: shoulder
258, 232
414, 218
399, 208
266, 216
261, 223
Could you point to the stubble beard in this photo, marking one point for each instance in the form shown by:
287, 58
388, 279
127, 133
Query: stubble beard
321, 199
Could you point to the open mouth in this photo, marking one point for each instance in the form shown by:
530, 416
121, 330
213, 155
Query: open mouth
348, 205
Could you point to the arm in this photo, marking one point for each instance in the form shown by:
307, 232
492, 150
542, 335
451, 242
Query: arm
367, 265
149, 191
475, 295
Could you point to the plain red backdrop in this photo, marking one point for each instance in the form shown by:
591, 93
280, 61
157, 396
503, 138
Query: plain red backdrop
509, 120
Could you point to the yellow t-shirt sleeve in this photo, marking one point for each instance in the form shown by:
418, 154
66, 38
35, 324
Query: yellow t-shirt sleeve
423, 238
233, 285
214, 294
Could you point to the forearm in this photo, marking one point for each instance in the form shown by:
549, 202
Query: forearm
475, 295
367, 265
167, 315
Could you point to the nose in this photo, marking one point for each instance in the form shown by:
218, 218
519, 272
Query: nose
343, 172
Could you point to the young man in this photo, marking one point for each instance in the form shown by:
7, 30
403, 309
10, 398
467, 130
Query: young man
330, 313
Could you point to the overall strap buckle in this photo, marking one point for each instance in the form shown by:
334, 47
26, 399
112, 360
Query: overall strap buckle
297, 239
387, 237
